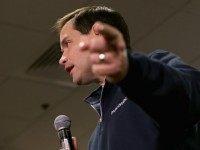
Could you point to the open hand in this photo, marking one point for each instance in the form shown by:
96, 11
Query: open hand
108, 52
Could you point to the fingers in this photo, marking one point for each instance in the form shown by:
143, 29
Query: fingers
108, 39
109, 57
106, 69
96, 44
112, 35
106, 30
74, 140
83, 44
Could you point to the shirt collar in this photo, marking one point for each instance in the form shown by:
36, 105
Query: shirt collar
93, 97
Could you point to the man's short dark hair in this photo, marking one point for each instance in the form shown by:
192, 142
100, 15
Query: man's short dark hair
84, 18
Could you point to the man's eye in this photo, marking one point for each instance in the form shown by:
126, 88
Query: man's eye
66, 43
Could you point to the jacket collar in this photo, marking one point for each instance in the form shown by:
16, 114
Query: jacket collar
94, 97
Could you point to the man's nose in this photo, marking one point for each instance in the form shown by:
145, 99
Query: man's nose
62, 60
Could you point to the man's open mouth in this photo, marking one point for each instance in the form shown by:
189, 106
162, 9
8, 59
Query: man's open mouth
69, 68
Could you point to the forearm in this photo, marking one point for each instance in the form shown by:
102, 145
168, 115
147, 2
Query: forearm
160, 88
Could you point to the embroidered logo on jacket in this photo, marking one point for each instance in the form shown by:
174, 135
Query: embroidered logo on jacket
119, 105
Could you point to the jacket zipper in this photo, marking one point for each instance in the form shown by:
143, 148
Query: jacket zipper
101, 116
100, 99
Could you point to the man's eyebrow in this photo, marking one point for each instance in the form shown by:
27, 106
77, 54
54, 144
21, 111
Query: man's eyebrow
64, 39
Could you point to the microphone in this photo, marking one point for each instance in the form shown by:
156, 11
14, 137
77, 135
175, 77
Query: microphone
62, 124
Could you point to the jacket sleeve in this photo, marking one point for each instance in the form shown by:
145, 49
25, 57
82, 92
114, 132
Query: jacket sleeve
163, 85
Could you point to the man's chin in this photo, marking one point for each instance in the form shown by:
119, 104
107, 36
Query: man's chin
81, 82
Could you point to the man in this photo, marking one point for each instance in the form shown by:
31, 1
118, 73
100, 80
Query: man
144, 102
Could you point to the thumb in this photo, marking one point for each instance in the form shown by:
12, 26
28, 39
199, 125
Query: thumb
74, 140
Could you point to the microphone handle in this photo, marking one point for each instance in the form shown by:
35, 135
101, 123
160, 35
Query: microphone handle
66, 139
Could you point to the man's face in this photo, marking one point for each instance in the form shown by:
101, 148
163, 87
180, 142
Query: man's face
75, 61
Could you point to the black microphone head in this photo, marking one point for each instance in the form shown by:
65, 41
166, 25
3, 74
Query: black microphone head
62, 122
